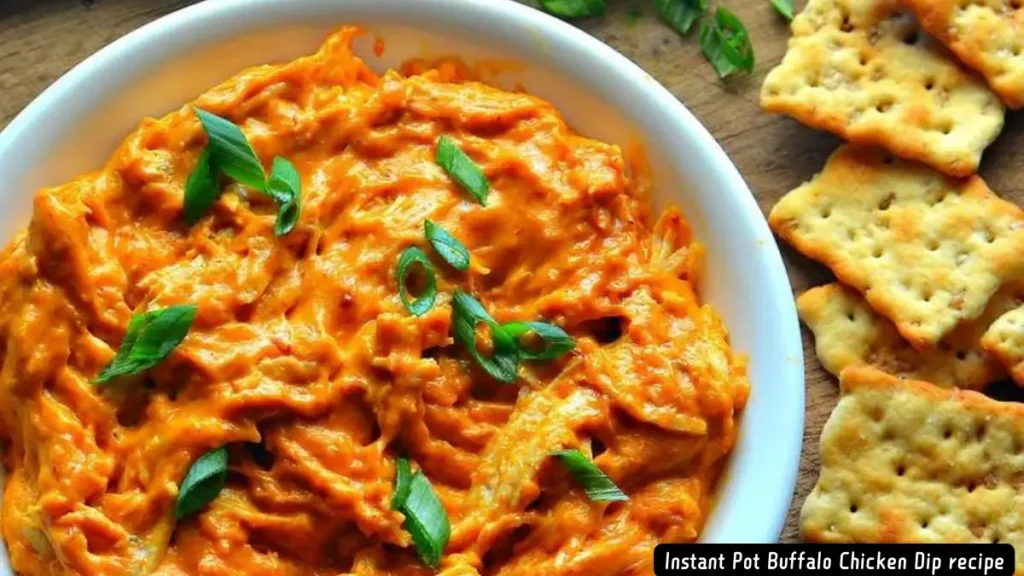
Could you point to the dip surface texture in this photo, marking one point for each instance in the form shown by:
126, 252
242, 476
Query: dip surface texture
304, 362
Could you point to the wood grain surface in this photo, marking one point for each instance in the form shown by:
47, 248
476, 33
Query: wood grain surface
41, 39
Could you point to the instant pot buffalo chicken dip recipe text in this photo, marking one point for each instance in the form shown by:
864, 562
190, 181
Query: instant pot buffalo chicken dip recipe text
324, 321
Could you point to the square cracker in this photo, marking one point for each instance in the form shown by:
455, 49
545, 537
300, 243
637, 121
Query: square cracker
927, 251
906, 461
847, 332
863, 70
987, 35
1005, 341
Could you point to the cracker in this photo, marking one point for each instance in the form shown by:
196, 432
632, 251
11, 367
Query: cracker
847, 332
927, 251
906, 461
863, 70
987, 35
1005, 341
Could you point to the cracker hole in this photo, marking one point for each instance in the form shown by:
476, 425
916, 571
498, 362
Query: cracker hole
990, 236
961, 355
924, 524
853, 508
901, 470
933, 244
877, 252
887, 201
929, 84
971, 487
911, 38
947, 433
888, 159
980, 431
883, 107
846, 26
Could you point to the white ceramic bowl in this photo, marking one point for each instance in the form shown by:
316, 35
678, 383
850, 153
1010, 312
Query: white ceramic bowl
76, 123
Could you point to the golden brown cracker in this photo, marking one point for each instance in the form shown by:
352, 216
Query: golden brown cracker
848, 332
862, 69
987, 35
906, 461
927, 251
1005, 341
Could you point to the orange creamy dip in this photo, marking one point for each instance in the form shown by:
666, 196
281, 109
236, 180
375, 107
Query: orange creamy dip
301, 344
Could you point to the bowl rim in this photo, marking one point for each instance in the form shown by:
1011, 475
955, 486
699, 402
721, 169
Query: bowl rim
121, 55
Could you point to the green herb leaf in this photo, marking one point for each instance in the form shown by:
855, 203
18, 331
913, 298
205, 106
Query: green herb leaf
201, 188
787, 8
462, 169
598, 486
150, 338
231, 152
203, 483
681, 14
726, 44
556, 341
573, 8
426, 520
403, 480
412, 257
467, 312
285, 187
447, 246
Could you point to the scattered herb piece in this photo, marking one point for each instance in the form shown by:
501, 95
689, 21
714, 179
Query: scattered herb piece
231, 152
467, 312
556, 341
447, 246
462, 169
726, 44
425, 518
598, 486
573, 8
633, 15
150, 338
285, 187
411, 258
786, 8
201, 188
681, 14
203, 483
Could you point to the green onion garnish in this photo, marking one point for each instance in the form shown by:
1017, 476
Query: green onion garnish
447, 246
150, 338
425, 518
462, 169
467, 312
598, 486
412, 258
573, 8
203, 483
229, 152
556, 341
726, 44
285, 187
786, 8
681, 14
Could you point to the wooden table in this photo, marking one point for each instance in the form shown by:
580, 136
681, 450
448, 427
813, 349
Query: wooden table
41, 39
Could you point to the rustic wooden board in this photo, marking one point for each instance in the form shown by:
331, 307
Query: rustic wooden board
41, 39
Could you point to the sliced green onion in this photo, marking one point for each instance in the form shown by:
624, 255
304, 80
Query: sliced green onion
285, 187
150, 338
573, 8
598, 486
786, 8
403, 478
467, 312
201, 188
203, 483
556, 341
232, 153
447, 246
681, 14
425, 518
633, 15
726, 44
411, 258
462, 169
